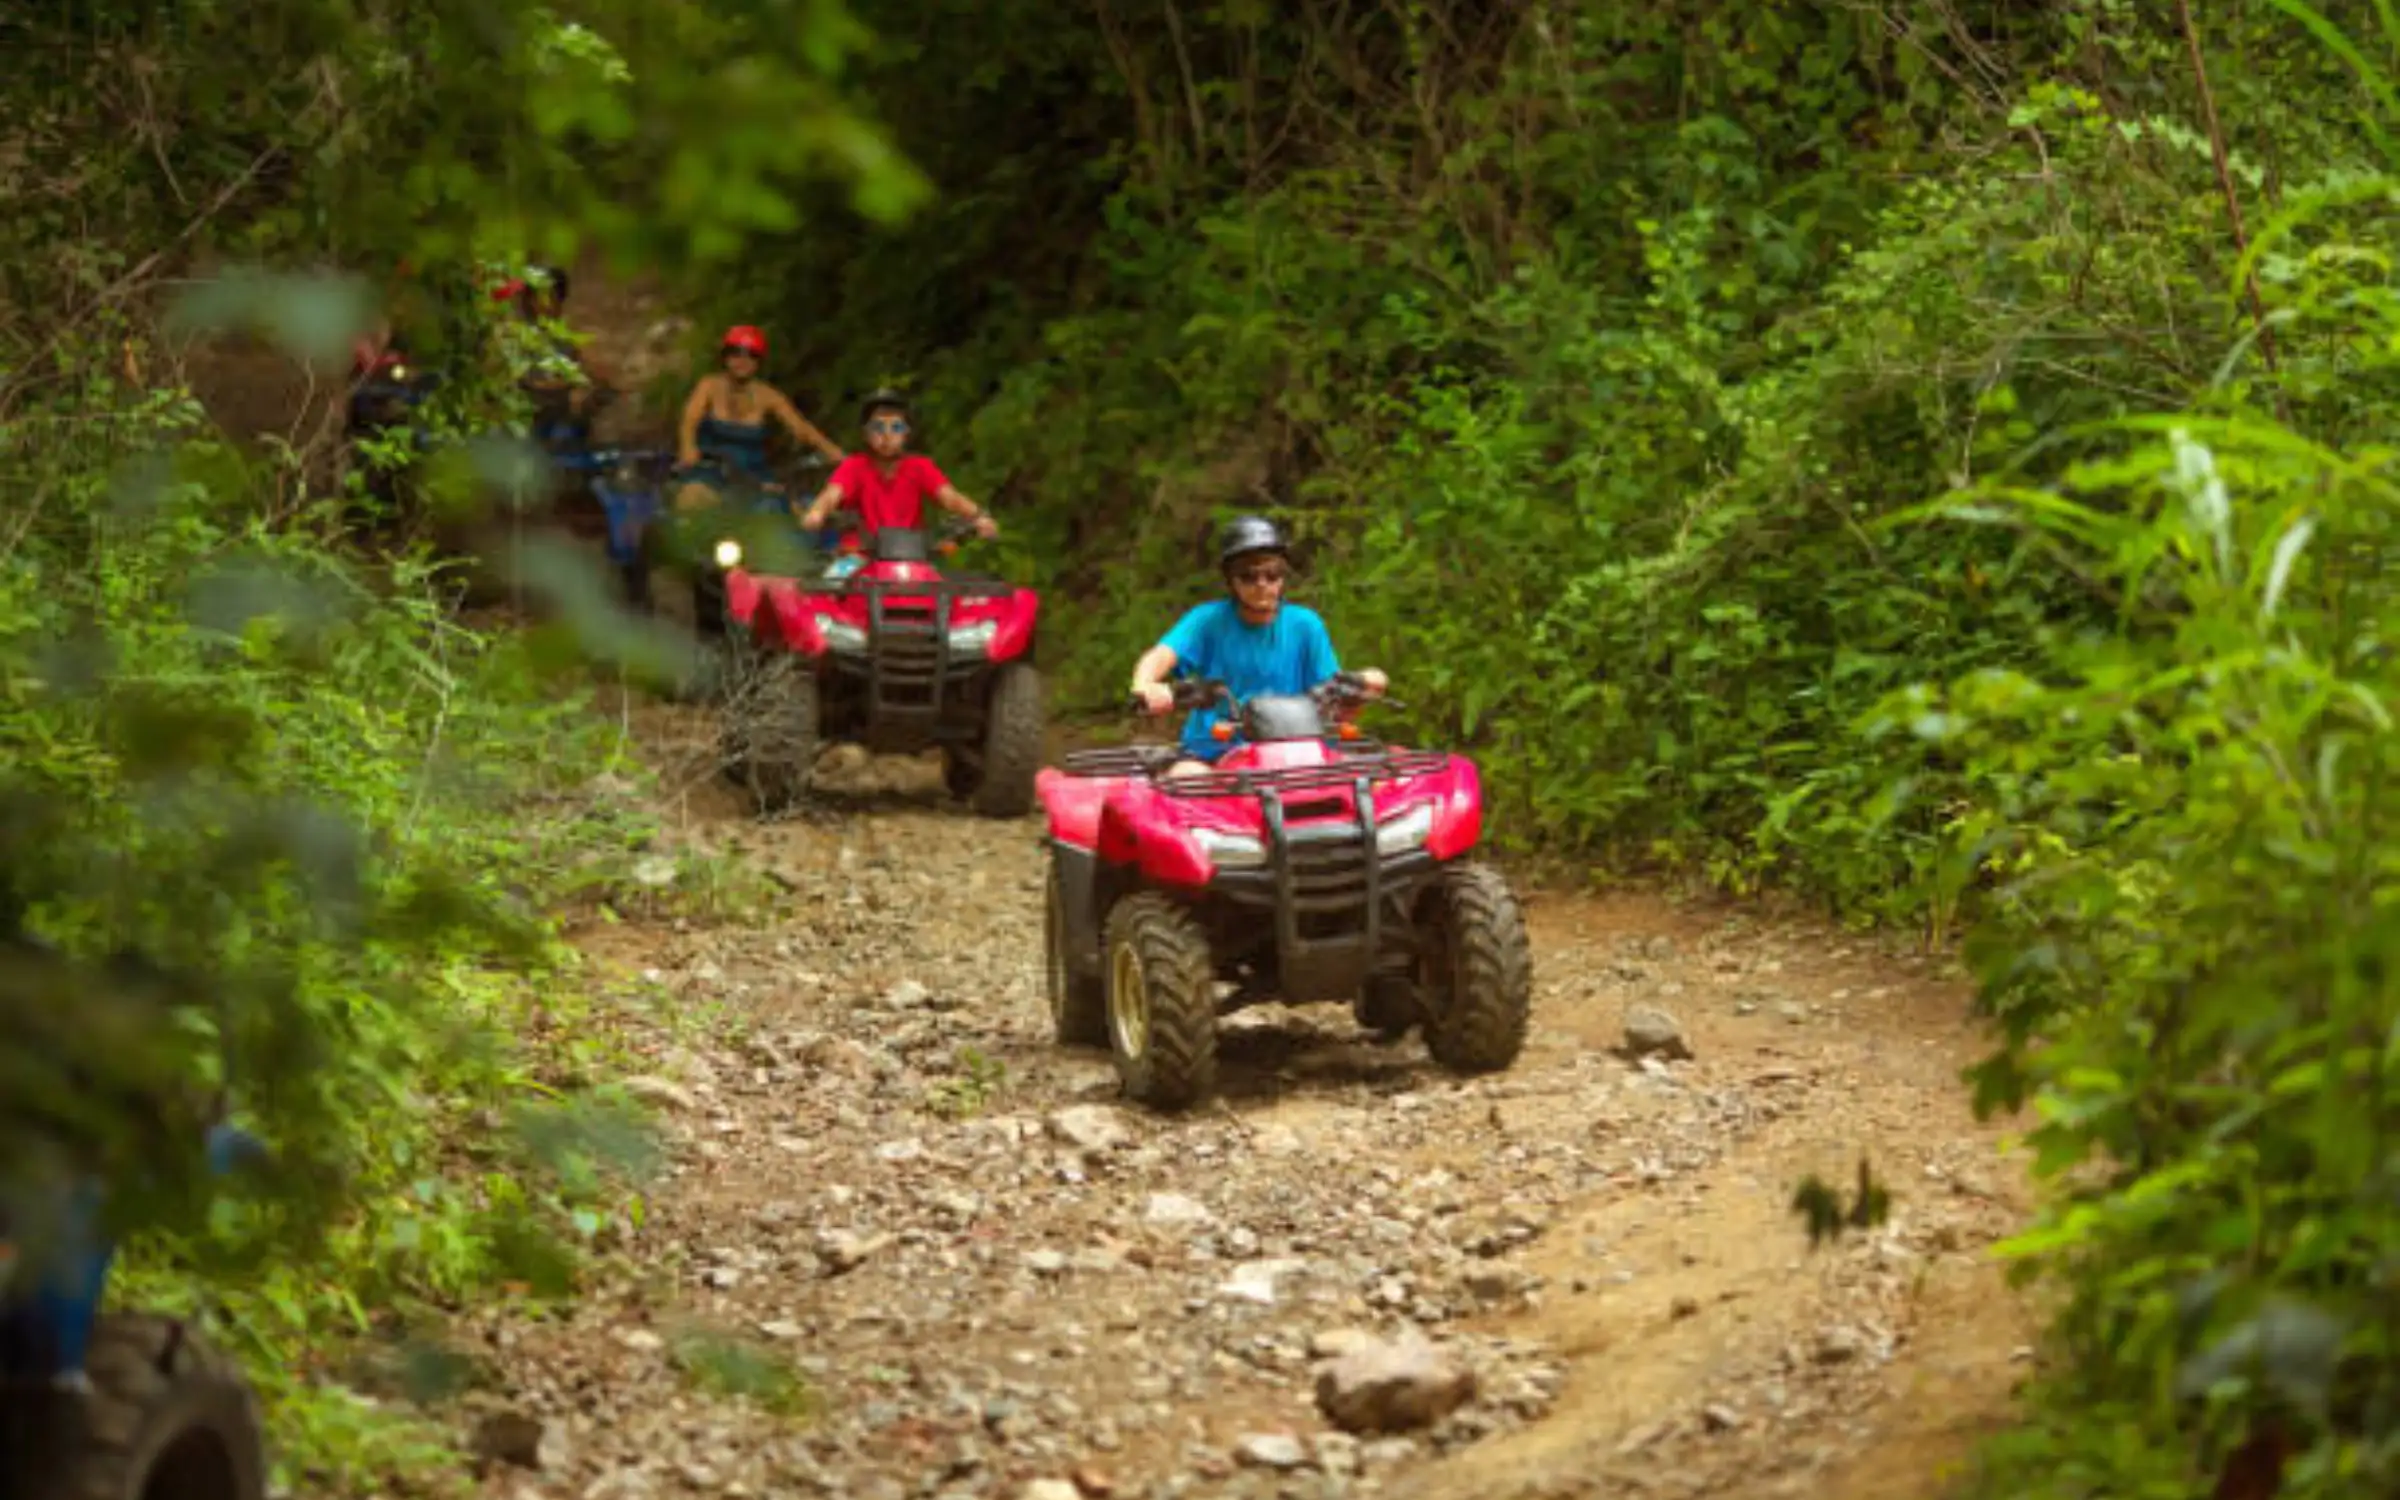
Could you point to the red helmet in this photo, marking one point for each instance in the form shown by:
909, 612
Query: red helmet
744, 339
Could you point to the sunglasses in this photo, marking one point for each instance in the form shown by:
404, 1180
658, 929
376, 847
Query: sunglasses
1260, 575
890, 424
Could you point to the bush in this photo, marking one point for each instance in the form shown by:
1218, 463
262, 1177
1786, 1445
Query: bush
328, 818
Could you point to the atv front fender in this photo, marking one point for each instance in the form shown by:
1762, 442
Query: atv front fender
1457, 810
1012, 632
1138, 828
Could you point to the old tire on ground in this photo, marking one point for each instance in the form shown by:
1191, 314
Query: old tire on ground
1476, 973
771, 732
1012, 743
1162, 1002
1078, 1002
166, 1418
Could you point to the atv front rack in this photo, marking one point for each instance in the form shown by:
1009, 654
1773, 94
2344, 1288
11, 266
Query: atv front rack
1351, 768
1369, 759
909, 661
1118, 761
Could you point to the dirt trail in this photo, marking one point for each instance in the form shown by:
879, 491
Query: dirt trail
998, 1281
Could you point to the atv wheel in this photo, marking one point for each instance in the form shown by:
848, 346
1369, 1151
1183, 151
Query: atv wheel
1162, 1004
1078, 1006
1012, 743
166, 1418
1476, 975
770, 741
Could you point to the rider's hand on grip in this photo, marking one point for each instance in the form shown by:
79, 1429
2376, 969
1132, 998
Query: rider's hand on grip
1153, 698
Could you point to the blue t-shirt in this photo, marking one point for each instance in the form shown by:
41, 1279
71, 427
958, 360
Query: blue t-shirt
1291, 653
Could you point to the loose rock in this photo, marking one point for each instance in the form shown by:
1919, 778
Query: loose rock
1271, 1450
1091, 1128
1651, 1032
1392, 1385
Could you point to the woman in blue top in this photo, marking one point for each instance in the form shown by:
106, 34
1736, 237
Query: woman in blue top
1251, 641
727, 416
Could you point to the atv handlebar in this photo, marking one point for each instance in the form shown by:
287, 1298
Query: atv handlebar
1338, 694
851, 530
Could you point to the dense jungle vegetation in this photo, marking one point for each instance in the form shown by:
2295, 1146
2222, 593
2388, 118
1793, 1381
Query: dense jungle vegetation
1930, 455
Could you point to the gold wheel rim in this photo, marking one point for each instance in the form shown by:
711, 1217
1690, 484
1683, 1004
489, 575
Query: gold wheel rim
1128, 1002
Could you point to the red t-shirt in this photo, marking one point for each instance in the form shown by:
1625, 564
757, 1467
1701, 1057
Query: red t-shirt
895, 502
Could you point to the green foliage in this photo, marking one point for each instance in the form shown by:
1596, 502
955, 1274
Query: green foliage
293, 833
1604, 356
1665, 312
438, 131
2191, 948
1826, 1217
742, 1368
328, 816
966, 1093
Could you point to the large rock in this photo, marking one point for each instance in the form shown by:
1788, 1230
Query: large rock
1392, 1385
1651, 1032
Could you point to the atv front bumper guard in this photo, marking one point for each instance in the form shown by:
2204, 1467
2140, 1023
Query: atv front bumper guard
1325, 883
911, 658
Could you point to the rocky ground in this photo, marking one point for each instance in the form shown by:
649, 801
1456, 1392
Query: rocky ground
1354, 1275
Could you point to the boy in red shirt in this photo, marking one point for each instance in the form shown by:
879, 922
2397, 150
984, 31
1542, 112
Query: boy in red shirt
886, 485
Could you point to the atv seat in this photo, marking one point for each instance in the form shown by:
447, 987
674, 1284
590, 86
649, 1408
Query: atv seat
895, 545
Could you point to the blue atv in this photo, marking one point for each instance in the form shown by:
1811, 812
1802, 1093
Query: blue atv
112, 1406
627, 484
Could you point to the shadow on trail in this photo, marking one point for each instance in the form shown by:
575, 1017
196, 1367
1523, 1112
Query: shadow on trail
1288, 1058
825, 806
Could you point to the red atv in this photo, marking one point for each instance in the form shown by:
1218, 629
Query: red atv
886, 651
1308, 865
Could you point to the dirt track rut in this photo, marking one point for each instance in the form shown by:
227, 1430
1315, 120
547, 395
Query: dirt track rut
997, 1281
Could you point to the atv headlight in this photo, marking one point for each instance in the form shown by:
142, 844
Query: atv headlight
975, 639
729, 553
1405, 832
1231, 851
841, 635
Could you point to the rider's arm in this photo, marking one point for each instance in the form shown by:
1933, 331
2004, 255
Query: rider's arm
822, 508
1185, 644
1154, 667
687, 436
949, 498
801, 427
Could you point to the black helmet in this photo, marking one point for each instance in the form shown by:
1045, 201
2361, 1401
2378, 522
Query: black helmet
882, 399
1247, 534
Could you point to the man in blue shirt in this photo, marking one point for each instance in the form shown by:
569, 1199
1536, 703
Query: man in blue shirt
1251, 640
